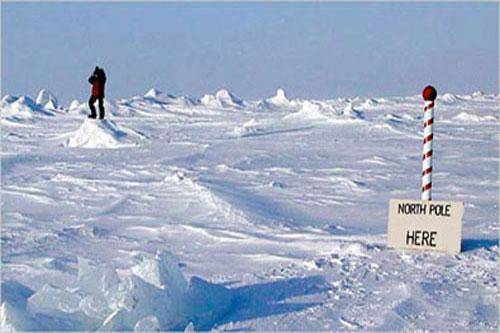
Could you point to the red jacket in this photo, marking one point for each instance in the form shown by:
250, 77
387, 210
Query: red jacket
98, 80
95, 88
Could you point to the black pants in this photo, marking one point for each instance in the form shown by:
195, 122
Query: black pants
92, 107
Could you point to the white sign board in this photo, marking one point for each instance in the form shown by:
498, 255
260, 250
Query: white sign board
425, 225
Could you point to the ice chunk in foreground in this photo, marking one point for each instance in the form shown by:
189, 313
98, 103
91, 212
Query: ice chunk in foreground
15, 293
13, 314
145, 300
151, 296
96, 279
14, 319
206, 302
161, 271
104, 290
53, 301
189, 327
59, 309
147, 324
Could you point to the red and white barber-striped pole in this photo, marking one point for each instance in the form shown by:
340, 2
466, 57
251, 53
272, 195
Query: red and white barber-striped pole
429, 94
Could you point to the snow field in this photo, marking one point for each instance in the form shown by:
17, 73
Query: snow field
219, 213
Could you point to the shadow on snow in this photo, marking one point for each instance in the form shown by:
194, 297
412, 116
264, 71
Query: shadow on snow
475, 244
268, 299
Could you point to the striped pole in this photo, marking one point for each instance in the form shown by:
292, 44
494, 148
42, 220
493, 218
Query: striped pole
429, 94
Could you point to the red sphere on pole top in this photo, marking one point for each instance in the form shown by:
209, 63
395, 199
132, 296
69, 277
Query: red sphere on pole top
429, 93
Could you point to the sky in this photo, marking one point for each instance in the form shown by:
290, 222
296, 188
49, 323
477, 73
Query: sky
312, 50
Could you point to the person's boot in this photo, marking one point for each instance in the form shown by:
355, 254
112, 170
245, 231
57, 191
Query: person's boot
101, 111
92, 116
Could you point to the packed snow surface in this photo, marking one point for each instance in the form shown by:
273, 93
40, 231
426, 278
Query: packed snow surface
218, 213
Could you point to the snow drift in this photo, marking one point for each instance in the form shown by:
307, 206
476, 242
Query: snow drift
102, 134
464, 117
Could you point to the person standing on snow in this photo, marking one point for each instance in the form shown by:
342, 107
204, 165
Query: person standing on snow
97, 80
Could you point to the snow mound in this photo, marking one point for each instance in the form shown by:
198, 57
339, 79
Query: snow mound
310, 111
478, 94
151, 296
369, 103
279, 99
448, 98
156, 96
395, 119
75, 104
19, 108
47, 99
9, 98
226, 99
250, 128
83, 108
472, 118
102, 134
278, 102
352, 113
222, 99
153, 93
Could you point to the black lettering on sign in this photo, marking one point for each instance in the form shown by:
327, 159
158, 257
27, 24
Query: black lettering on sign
440, 210
433, 238
412, 209
421, 238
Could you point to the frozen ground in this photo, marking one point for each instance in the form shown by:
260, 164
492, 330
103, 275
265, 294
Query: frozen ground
218, 213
